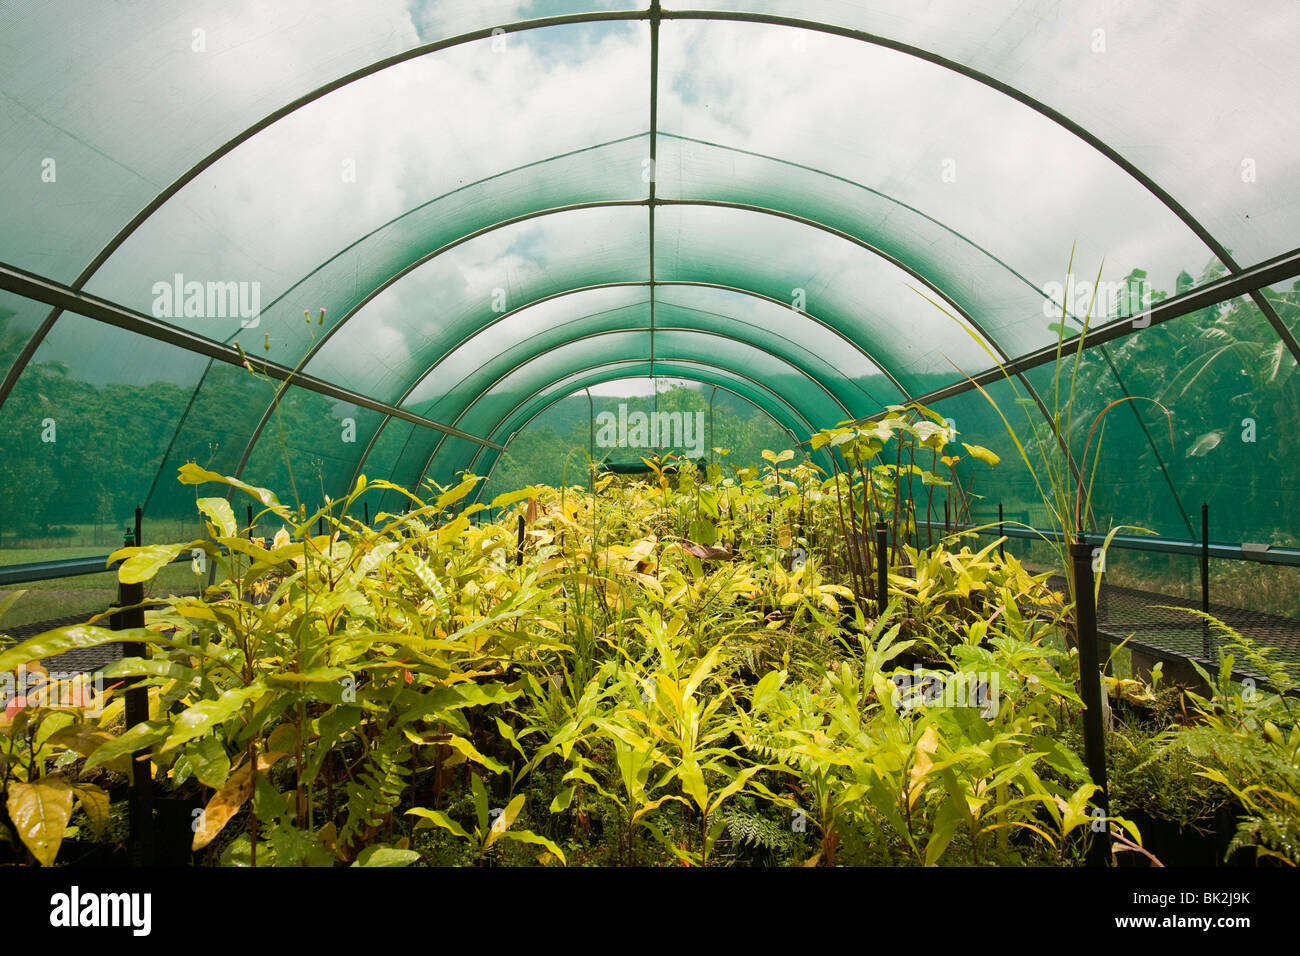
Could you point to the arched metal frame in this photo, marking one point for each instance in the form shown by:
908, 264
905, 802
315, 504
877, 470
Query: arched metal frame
537, 357
798, 369
676, 365
690, 369
478, 492
869, 247
849, 342
617, 371
651, 283
655, 15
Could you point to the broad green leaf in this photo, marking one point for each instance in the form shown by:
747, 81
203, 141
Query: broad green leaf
479, 793
471, 753
375, 556
85, 739
140, 737
931, 435
692, 778
140, 667
206, 759
206, 714
1059, 757
452, 530
63, 639
385, 856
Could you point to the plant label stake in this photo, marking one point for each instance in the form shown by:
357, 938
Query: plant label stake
1094, 738
1205, 578
1002, 548
137, 712
882, 566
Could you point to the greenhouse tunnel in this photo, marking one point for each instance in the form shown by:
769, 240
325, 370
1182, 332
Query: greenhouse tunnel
588, 433
494, 214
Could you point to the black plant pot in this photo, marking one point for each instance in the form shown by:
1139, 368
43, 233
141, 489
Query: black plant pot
909, 660
173, 832
1178, 846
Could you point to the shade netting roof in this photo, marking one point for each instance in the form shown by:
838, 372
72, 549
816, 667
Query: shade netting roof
822, 207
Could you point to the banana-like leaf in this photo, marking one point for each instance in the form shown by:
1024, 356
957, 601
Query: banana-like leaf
438, 818
506, 817
192, 474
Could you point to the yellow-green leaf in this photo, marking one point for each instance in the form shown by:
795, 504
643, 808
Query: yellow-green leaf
506, 499
63, 639
222, 515
982, 453
225, 803
192, 474
438, 818
40, 812
506, 817
385, 856
140, 737
142, 564
208, 713
454, 495
94, 801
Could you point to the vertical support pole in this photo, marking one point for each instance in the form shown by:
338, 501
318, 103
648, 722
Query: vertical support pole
1094, 737
320, 526
365, 506
882, 566
250, 522
1205, 578
1002, 548
519, 545
712, 443
140, 799
947, 519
